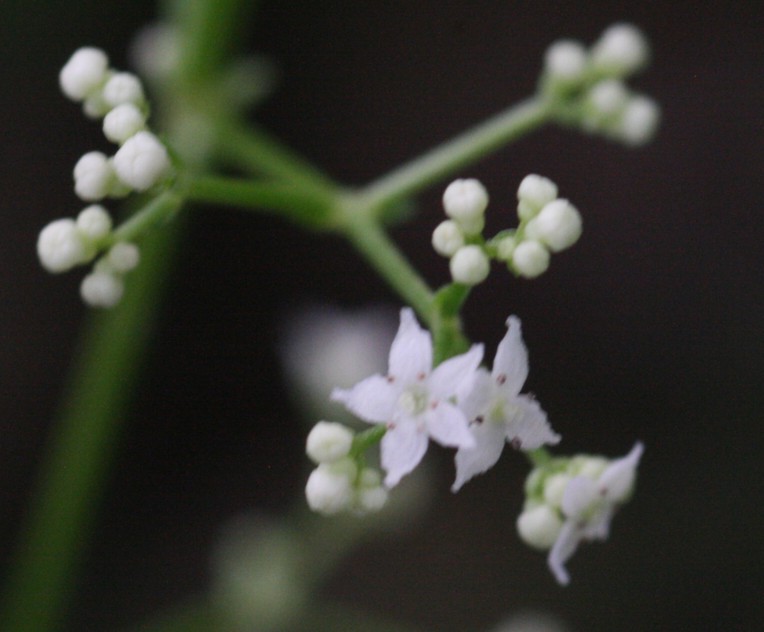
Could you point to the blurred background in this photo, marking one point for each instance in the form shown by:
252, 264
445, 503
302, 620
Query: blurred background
649, 328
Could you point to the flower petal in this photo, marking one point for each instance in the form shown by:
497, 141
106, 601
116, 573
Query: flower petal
411, 351
563, 549
528, 427
452, 375
617, 480
447, 425
511, 359
579, 496
489, 443
402, 448
474, 399
372, 399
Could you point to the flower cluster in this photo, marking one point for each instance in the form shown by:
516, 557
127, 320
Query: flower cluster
569, 500
456, 404
141, 162
588, 84
547, 224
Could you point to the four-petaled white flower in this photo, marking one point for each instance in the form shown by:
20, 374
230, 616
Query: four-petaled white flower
415, 401
498, 412
588, 505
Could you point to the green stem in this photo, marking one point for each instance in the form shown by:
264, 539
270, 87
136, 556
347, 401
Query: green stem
155, 213
539, 457
75, 466
285, 198
455, 154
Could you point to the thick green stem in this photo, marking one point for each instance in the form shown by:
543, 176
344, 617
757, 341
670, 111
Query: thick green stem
457, 153
76, 465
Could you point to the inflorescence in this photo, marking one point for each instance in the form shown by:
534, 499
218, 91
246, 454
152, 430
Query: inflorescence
140, 163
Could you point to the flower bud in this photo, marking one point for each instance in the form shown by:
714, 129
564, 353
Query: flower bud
60, 246
83, 73
465, 200
447, 238
639, 121
94, 222
122, 122
329, 489
558, 225
123, 257
530, 259
539, 526
533, 193
607, 98
328, 441
122, 87
93, 176
141, 161
621, 50
101, 289
469, 265
565, 62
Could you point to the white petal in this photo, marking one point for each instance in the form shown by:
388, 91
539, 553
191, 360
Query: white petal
411, 351
447, 425
564, 547
402, 447
528, 428
580, 494
475, 398
372, 399
489, 443
618, 478
511, 359
452, 375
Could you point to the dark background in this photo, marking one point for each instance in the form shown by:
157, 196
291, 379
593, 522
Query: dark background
649, 328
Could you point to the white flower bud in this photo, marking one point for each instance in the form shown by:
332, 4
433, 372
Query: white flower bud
122, 87
122, 122
465, 200
554, 488
123, 257
329, 489
447, 238
530, 259
371, 496
141, 161
505, 248
469, 265
101, 289
587, 465
83, 73
533, 193
539, 526
93, 176
328, 441
565, 62
558, 225
621, 50
608, 97
639, 121
60, 246
94, 222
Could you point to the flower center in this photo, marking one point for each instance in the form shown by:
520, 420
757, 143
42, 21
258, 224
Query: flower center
413, 400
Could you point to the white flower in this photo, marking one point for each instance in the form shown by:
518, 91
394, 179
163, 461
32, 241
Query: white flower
530, 259
558, 225
85, 71
414, 400
469, 265
122, 122
588, 505
328, 441
141, 161
499, 413
61, 246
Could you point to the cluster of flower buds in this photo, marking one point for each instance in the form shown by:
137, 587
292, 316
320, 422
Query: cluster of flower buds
547, 224
66, 243
569, 500
341, 481
141, 162
589, 84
